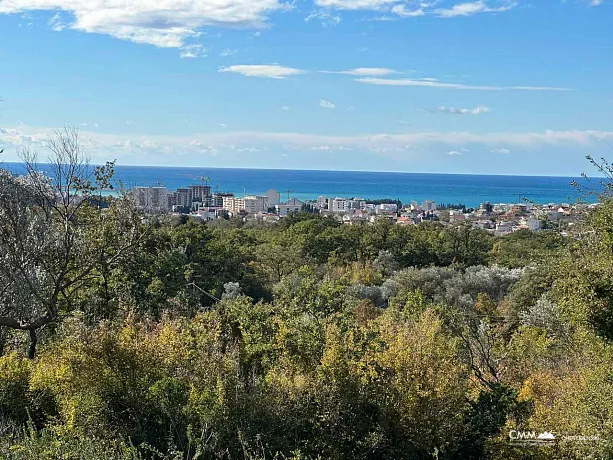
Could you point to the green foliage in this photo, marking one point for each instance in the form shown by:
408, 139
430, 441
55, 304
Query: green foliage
329, 341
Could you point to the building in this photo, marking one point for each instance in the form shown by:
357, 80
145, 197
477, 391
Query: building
387, 208
232, 204
486, 207
151, 199
249, 204
255, 204
273, 197
322, 202
356, 204
338, 205
283, 210
218, 198
180, 198
295, 202
199, 194
530, 223
456, 216
428, 206
503, 228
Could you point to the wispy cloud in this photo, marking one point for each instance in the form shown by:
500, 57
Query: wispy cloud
326, 18
396, 9
56, 23
470, 8
192, 51
365, 72
501, 150
479, 110
431, 83
454, 153
326, 104
227, 52
263, 71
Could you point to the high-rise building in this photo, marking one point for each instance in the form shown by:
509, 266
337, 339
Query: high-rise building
274, 197
199, 194
218, 197
182, 198
338, 205
151, 199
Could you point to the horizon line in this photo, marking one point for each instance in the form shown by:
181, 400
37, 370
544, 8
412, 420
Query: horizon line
331, 170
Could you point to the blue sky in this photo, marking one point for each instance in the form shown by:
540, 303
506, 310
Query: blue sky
491, 86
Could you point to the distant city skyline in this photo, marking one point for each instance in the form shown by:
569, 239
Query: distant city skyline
440, 86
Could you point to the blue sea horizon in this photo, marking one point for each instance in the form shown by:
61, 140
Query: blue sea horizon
468, 189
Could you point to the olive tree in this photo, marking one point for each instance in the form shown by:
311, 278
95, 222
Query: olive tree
57, 233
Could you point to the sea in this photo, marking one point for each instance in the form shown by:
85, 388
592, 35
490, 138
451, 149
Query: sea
467, 189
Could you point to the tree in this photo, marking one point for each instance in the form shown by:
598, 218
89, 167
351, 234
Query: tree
53, 240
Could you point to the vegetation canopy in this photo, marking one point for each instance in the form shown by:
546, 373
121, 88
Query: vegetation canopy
124, 336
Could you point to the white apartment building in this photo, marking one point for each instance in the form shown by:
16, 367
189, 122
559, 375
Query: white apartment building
338, 205
249, 204
530, 223
283, 210
151, 199
233, 204
322, 202
387, 208
255, 204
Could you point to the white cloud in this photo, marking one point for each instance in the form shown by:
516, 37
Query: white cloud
454, 153
325, 16
395, 9
192, 51
596, 3
366, 72
56, 22
376, 5
503, 151
432, 83
479, 110
163, 23
165, 149
326, 104
470, 8
402, 11
263, 71
285, 108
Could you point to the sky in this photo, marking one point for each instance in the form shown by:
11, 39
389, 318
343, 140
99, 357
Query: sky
480, 87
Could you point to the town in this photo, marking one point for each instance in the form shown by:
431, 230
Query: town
200, 202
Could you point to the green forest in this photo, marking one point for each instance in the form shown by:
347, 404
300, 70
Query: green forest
131, 337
